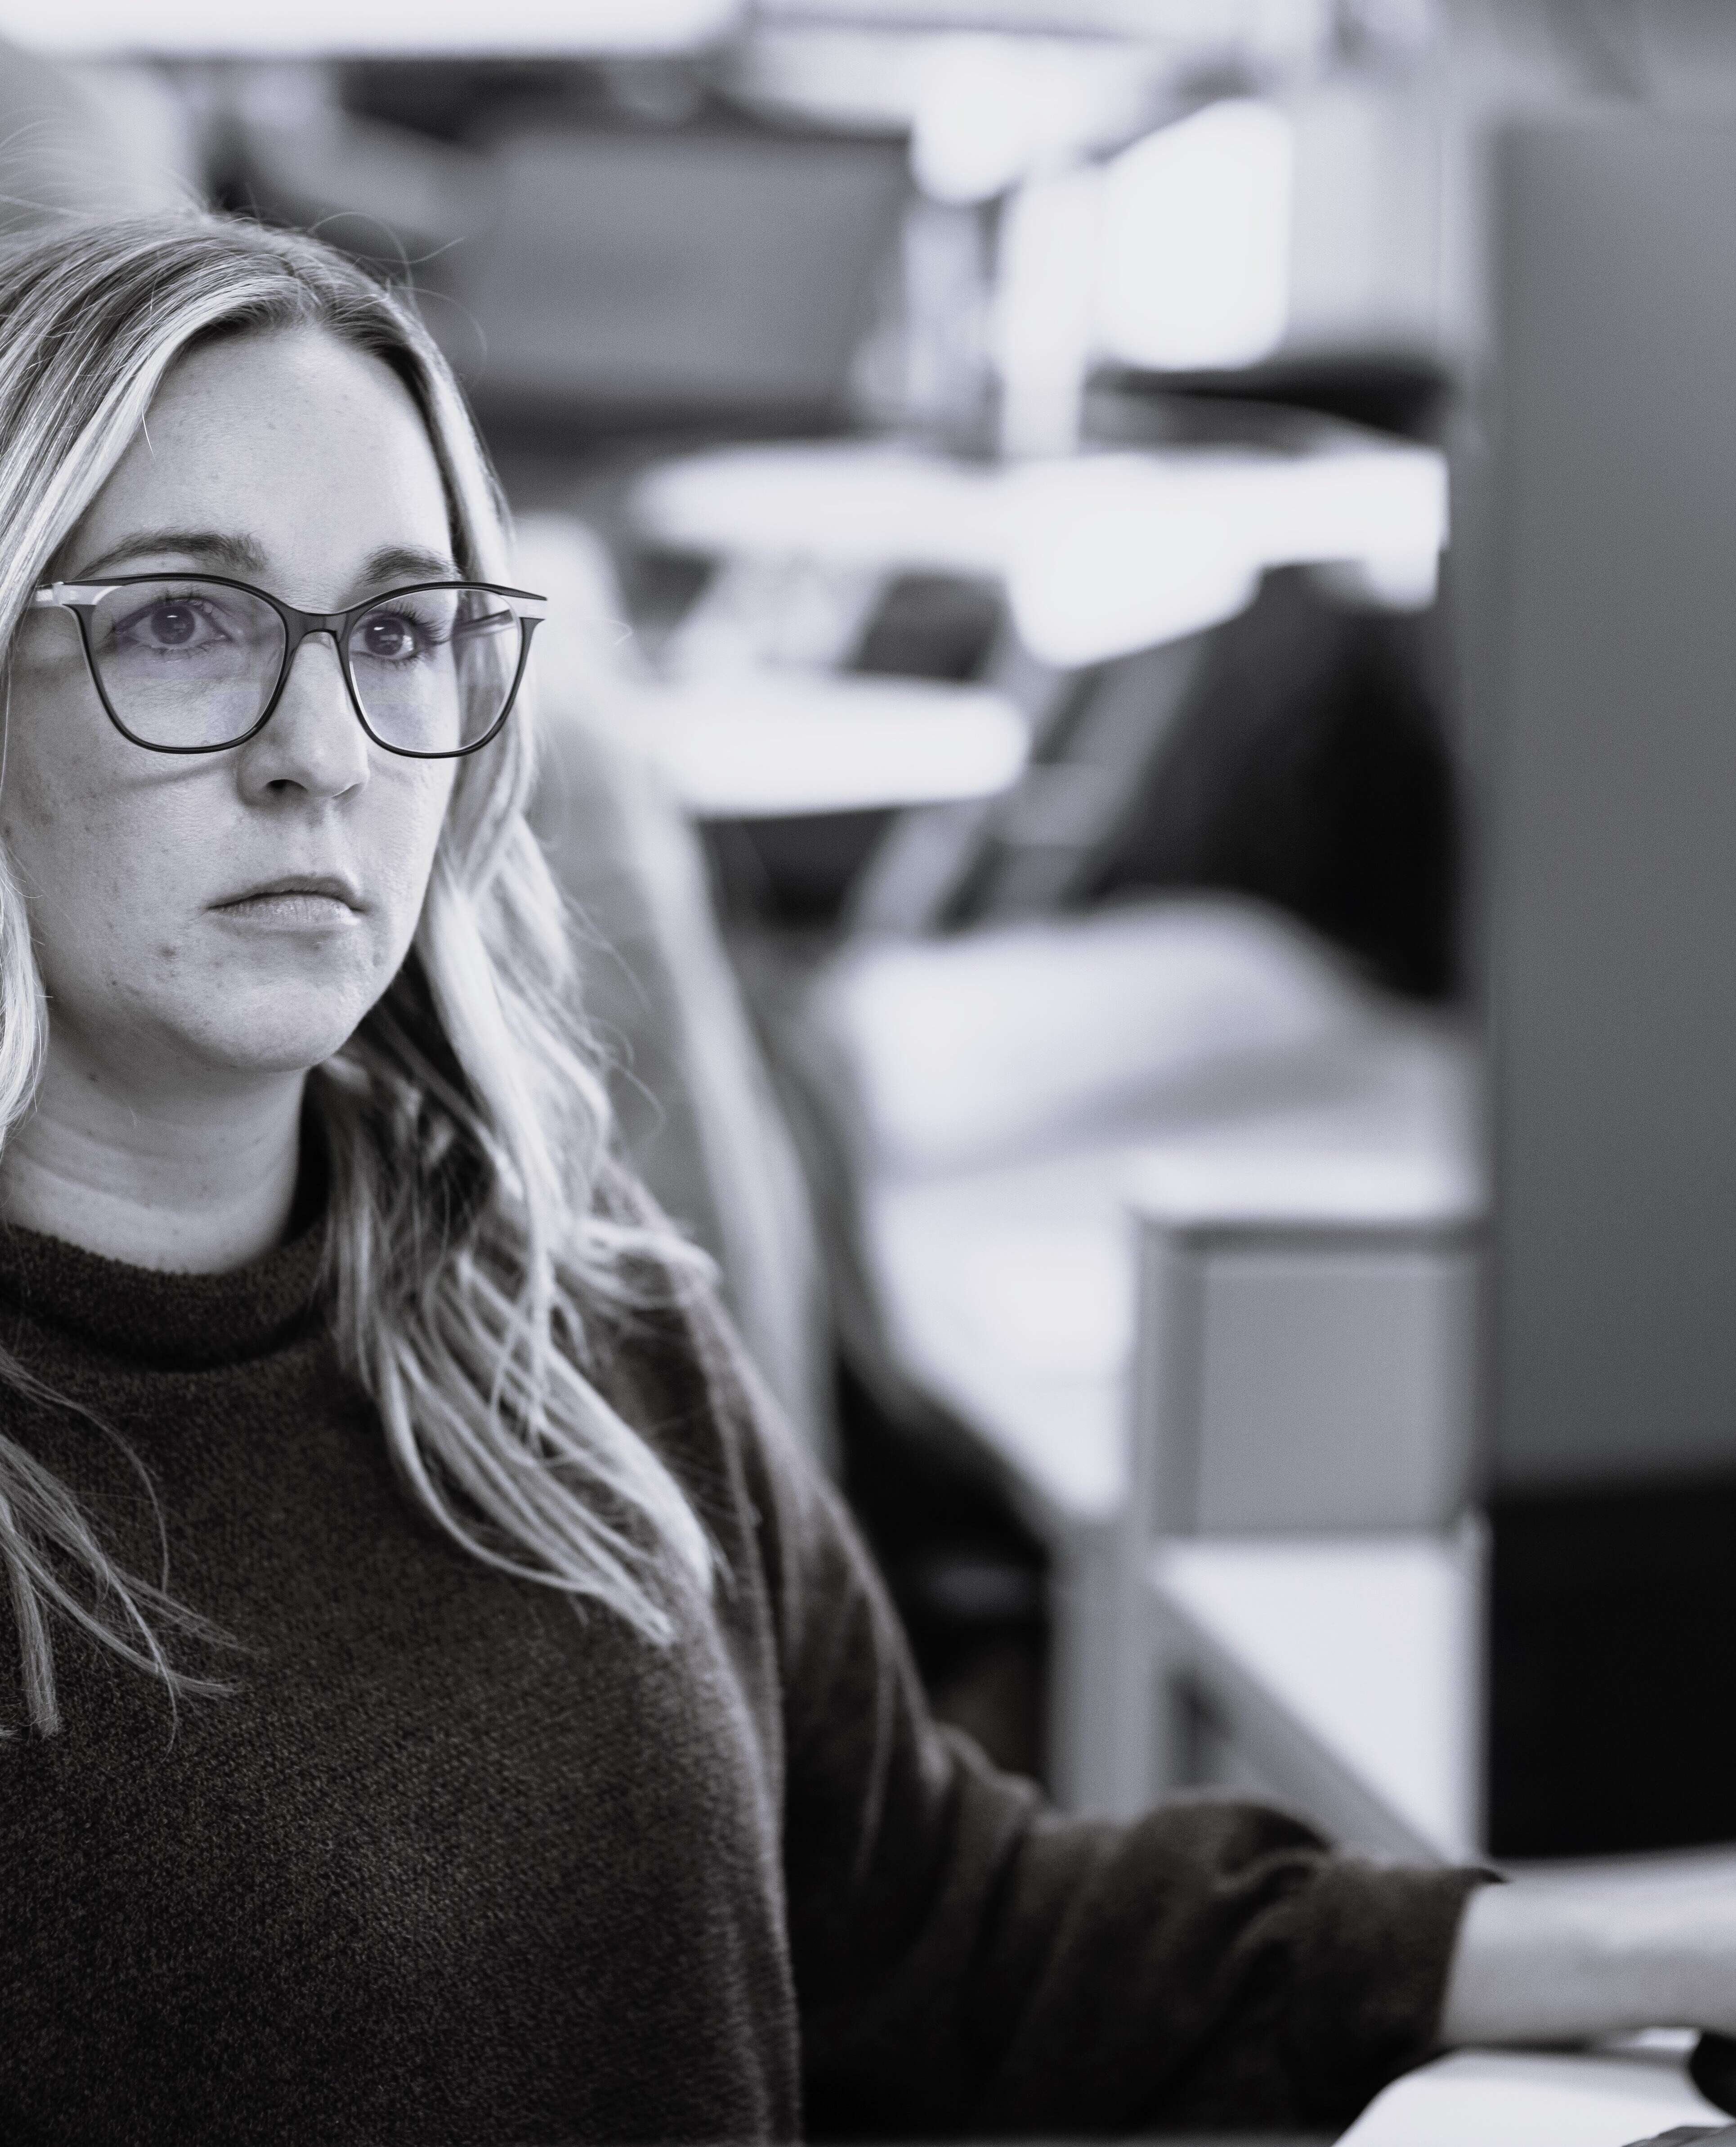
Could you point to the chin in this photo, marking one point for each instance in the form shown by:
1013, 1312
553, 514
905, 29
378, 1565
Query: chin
275, 1037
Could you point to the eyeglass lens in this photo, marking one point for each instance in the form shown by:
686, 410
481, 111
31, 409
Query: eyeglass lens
191, 663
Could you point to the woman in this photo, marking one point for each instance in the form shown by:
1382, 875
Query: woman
442, 1706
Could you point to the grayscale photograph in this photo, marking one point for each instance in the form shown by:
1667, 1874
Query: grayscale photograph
868, 1072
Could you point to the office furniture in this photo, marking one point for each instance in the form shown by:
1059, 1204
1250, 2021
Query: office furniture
1101, 554
1339, 1675
768, 744
1004, 1297
1006, 1290
1594, 2099
1188, 722
1306, 1340
610, 268
1300, 1438
1601, 649
695, 1106
185, 29
712, 269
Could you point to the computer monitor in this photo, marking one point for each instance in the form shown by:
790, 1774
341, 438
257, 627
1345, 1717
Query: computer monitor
1603, 660
645, 275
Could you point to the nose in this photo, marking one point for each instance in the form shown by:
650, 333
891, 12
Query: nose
313, 742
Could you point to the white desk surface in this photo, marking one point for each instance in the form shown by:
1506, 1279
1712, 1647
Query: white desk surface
1368, 1645
1523, 2099
1008, 1289
1102, 552
879, 504
1008, 1294
1365, 1652
773, 744
1423, 1185
116, 30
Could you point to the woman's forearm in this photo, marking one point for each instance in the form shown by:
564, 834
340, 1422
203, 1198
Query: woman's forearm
1552, 1962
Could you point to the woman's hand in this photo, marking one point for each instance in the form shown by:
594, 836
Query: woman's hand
1557, 1961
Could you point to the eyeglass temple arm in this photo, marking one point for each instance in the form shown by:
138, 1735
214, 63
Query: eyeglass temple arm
52, 593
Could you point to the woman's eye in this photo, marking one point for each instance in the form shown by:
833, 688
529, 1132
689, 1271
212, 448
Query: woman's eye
174, 623
391, 637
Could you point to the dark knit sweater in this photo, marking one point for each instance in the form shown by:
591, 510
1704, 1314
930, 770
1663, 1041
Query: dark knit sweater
457, 1865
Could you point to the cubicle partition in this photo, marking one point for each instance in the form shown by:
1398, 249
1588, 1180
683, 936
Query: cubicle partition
1305, 1586
1549, 1678
1604, 657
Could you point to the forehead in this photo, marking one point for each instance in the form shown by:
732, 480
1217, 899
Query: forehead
313, 449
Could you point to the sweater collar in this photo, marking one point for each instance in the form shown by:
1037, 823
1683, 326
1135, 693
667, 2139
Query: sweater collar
165, 1320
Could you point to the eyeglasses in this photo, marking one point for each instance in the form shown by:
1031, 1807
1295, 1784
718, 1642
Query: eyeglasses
197, 663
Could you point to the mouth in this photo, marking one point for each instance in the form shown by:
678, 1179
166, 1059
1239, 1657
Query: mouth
298, 898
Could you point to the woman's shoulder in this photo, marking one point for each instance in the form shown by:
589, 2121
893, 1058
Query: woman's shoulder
660, 1319
666, 1355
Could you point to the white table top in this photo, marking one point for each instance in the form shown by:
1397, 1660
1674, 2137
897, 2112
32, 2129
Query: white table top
870, 503
327, 28
1008, 1288
1102, 554
1427, 1187
1528, 2099
772, 744
1368, 1645
1008, 1296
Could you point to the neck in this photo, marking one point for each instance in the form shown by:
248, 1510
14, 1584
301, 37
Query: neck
197, 1181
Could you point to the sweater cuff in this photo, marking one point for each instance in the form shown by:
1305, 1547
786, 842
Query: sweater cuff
1374, 1950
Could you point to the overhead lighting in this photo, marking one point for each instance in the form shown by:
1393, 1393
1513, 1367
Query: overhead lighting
554, 28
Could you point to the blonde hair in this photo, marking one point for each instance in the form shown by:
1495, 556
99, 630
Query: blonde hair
467, 1125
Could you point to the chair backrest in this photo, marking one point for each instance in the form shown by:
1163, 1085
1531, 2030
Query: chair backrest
698, 1117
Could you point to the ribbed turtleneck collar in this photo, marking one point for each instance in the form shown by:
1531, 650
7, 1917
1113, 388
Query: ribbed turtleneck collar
167, 1321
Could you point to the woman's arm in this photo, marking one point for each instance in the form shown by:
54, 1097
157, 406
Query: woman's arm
966, 1961
1556, 1961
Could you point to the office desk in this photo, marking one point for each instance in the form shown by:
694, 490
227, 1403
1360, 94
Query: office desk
1501, 2099
1339, 1676
1007, 1292
1528, 2099
771, 744
1101, 554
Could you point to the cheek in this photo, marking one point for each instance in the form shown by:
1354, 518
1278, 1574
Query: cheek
90, 860
44, 793
106, 905
71, 803
406, 812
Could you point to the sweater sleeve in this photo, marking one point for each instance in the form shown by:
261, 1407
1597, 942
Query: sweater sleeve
966, 1961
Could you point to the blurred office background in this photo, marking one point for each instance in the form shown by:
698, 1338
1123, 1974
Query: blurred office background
1026, 717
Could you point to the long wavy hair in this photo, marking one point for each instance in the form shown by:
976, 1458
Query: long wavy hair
470, 1225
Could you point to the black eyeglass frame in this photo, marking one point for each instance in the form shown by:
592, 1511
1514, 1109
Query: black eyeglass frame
82, 598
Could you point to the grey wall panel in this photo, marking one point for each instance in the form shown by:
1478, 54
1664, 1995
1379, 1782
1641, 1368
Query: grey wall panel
1613, 942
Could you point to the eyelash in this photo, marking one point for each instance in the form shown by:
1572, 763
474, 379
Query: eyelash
426, 631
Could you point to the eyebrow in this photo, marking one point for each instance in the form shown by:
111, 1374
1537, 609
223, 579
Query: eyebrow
402, 561
213, 547
228, 553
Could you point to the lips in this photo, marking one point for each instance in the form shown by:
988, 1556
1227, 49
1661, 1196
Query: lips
329, 886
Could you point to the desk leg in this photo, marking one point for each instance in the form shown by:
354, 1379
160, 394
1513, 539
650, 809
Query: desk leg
1099, 1732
